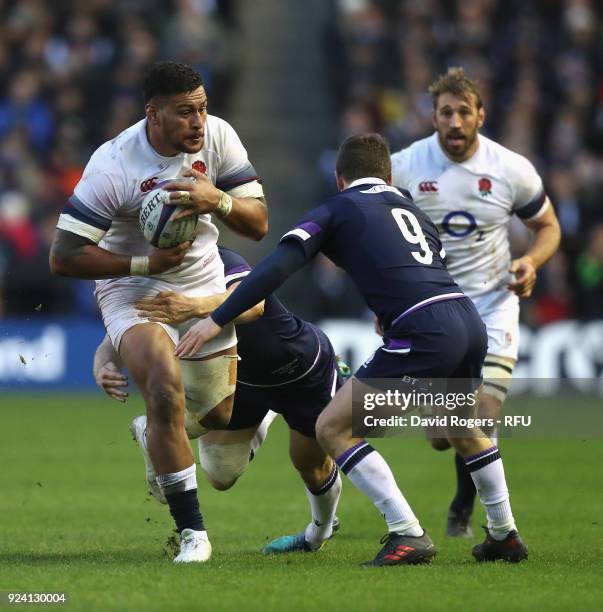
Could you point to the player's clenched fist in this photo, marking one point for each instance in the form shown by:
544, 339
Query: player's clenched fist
525, 276
166, 259
112, 382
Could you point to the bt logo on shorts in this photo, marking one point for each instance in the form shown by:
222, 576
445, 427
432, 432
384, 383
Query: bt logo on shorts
148, 184
428, 187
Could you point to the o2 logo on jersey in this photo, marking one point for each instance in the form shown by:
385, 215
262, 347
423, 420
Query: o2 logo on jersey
412, 232
454, 227
200, 166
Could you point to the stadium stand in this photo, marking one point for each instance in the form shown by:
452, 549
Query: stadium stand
71, 74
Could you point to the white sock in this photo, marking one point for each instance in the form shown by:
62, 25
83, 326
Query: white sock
177, 482
323, 505
369, 472
488, 475
494, 437
262, 431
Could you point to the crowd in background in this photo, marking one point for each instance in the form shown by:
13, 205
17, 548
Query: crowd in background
71, 74
539, 65
70, 79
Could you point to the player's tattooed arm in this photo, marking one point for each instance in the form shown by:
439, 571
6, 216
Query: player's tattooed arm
73, 255
76, 256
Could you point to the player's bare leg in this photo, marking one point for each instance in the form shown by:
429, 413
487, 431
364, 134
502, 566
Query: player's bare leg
147, 351
483, 461
406, 541
323, 488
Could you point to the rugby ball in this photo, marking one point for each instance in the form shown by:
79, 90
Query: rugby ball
156, 221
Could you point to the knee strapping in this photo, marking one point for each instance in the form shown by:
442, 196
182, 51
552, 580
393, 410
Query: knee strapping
224, 463
497, 373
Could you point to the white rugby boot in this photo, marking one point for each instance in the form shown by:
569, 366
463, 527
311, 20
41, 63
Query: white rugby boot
194, 547
138, 429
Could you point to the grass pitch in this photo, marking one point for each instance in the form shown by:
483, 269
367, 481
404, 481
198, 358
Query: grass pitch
75, 517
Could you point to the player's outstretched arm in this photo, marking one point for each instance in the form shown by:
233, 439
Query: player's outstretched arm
246, 216
174, 308
79, 257
547, 236
107, 371
268, 276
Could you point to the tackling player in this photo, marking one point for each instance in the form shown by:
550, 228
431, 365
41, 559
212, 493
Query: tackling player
287, 365
470, 187
393, 253
98, 237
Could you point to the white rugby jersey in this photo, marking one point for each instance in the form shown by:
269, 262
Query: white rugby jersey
471, 203
106, 201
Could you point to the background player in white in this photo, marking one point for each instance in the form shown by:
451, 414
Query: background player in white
470, 186
98, 237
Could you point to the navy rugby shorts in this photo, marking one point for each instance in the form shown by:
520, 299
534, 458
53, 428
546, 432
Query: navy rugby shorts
443, 340
299, 402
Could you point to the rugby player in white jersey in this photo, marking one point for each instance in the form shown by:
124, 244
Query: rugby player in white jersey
98, 237
470, 186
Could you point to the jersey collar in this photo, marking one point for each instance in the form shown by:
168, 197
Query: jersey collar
471, 164
369, 180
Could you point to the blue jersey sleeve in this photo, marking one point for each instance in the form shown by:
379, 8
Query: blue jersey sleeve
268, 276
312, 231
235, 266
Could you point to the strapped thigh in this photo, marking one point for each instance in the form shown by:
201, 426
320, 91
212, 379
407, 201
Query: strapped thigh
206, 383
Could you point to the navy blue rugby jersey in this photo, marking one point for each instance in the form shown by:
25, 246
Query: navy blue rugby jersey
277, 348
388, 246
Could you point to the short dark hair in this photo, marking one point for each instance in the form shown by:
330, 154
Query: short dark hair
456, 83
167, 78
364, 155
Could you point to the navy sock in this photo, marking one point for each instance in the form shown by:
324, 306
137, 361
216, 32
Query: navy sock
465, 487
184, 508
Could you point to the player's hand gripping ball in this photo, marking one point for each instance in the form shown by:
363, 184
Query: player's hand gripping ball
157, 222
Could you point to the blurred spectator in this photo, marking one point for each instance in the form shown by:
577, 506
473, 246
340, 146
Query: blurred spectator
589, 276
28, 285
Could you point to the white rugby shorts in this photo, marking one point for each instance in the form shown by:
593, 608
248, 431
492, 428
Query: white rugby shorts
499, 311
117, 299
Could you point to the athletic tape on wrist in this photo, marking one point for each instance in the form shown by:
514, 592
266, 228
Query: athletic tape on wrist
224, 206
139, 265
